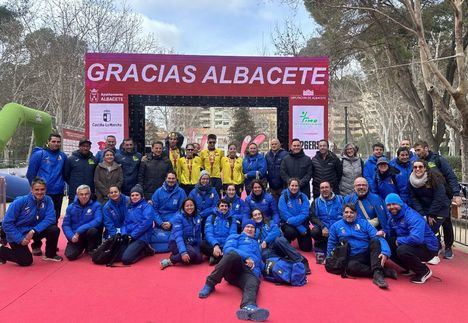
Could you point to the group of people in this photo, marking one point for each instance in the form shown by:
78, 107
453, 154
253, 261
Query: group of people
191, 199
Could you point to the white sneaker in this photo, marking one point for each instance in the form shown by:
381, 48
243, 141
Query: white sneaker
434, 261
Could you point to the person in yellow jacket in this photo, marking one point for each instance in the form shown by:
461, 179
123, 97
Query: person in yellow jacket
188, 169
231, 168
211, 161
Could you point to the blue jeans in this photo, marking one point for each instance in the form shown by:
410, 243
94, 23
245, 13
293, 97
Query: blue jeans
135, 251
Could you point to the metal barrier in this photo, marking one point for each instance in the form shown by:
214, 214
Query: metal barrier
460, 222
2, 198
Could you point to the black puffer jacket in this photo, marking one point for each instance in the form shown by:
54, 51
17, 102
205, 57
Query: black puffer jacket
329, 169
152, 173
78, 170
299, 166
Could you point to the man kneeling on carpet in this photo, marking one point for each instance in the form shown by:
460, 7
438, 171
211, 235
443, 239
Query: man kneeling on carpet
82, 224
30, 218
241, 266
367, 251
411, 239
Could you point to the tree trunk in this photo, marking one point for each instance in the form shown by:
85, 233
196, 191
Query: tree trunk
464, 154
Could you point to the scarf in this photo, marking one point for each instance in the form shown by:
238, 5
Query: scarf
418, 182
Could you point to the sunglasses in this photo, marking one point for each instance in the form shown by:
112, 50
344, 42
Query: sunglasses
418, 167
211, 142
189, 149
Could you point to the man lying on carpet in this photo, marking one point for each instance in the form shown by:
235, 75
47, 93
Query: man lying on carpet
241, 266
30, 218
367, 252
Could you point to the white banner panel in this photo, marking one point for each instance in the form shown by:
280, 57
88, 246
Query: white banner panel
308, 124
105, 119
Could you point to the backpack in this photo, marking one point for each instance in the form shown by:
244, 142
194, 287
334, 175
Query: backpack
110, 251
336, 264
280, 271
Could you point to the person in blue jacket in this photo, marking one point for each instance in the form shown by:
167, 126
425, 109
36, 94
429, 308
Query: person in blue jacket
48, 164
254, 166
260, 199
385, 179
241, 266
406, 143
30, 218
368, 205
185, 237
111, 142
167, 201
79, 169
205, 196
370, 165
129, 159
114, 212
404, 164
137, 228
273, 243
411, 240
324, 211
219, 225
238, 207
294, 212
368, 251
82, 224
273, 158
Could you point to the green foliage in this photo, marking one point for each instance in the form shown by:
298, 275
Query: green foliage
243, 126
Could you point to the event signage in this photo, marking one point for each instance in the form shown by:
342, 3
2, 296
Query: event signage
111, 78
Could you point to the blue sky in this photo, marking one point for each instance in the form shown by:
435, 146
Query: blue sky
218, 27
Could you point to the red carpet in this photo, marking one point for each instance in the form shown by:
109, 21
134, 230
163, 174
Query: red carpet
84, 292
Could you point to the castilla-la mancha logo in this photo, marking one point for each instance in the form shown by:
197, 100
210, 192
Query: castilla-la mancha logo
94, 95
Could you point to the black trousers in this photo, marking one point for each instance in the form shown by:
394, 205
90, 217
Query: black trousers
88, 240
304, 241
217, 184
447, 228
207, 249
233, 269
22, 255
193, 252
320, 242
364, 264
281, 248
187, 188
57, 199
411, 257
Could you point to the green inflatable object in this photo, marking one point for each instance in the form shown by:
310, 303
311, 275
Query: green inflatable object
14, 115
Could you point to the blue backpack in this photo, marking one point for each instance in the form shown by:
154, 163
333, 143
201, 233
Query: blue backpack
280, 271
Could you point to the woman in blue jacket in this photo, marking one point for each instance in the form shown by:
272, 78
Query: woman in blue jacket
403, 163
114, 212
185, 238
265, 202
254, 166
385, 179
205, 197
219, 225
294, 212
429, 198
138, 226
238, 205
273, 243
